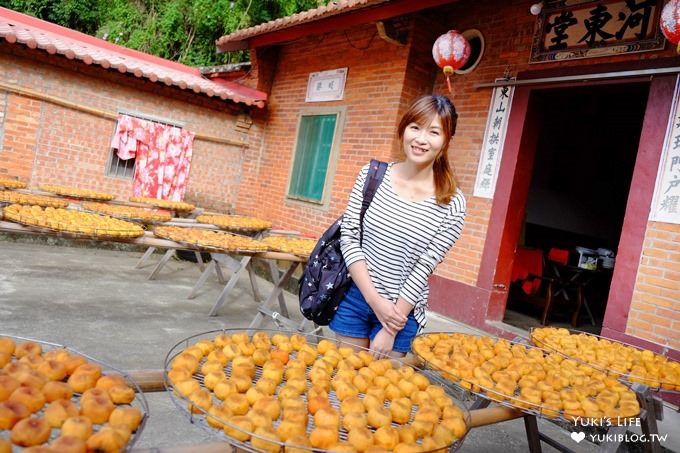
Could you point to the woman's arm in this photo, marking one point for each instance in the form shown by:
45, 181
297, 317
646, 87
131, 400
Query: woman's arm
447, 235
383, 342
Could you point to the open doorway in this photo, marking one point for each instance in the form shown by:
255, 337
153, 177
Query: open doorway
581, 175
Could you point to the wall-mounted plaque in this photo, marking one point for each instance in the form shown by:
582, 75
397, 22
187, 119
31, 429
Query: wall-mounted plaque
568, 30
666, 204
326, 85
494, 138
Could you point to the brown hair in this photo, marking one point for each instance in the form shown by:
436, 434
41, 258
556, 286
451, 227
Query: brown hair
421, 112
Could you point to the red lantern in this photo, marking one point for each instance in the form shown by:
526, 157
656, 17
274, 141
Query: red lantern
451, 51
670, 22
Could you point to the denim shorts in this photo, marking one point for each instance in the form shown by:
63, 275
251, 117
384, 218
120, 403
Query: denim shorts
355, 318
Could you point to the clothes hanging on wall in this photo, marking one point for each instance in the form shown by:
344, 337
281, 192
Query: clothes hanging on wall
163, 156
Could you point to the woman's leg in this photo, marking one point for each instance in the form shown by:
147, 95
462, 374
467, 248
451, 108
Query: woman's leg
350, 323
356, 343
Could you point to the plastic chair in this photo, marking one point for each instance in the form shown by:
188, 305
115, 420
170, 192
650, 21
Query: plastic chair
533, 285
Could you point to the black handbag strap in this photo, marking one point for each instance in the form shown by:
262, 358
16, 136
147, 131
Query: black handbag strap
376, 172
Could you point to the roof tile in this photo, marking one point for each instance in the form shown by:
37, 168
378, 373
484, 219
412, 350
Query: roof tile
54, 39
332, 9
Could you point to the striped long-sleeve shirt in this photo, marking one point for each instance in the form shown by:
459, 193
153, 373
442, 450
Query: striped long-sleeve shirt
403, 241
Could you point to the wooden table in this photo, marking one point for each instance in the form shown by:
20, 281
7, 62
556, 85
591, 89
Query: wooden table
246, 265
578, 278
240, 263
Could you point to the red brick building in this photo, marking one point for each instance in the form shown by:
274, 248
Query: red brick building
386, 48
580, 159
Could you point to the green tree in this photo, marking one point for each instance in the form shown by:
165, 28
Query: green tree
81, 15
179, 30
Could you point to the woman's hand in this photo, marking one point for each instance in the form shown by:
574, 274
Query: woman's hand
382, 343
389, 315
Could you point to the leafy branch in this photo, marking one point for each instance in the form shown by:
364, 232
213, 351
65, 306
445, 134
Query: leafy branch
181, 30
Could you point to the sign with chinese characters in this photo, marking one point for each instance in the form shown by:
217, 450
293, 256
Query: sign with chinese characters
326, 85
584, 29
494, 137
666, 204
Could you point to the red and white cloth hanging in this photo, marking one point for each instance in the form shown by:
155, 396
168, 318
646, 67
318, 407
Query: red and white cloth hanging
163, 156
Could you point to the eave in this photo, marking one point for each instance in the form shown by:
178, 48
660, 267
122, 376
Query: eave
274, 33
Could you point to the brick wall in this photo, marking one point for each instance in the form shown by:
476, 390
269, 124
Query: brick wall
19, 138
45, 143
3, 113
655, 309
372, 98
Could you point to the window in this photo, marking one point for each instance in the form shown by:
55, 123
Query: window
125, 169
476, 40
314, 150
119, 168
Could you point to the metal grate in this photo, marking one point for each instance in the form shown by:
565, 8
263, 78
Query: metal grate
120, 168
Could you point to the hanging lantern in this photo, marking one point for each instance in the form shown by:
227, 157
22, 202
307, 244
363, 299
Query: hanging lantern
451, 51
670, 22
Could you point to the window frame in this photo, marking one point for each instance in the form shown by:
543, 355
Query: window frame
340, 112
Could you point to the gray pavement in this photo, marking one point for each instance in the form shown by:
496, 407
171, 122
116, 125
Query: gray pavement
95, 301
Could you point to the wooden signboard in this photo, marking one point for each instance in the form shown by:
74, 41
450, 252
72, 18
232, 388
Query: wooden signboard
572, 29
494, 139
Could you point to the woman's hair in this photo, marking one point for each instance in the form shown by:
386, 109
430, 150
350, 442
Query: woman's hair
421, 112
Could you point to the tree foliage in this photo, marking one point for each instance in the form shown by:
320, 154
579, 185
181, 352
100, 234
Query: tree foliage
179, 30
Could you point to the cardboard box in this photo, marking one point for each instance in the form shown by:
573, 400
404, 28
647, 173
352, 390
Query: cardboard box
587, 258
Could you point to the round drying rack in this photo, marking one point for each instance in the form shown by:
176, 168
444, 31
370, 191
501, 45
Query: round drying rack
138, 402
135, 214
235, 223
514, 401
77, 194
628, 378
203, 247
184, 404
69, 230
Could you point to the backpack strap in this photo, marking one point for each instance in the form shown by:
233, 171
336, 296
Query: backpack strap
376, 172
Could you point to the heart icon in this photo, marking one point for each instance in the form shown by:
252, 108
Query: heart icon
578, 437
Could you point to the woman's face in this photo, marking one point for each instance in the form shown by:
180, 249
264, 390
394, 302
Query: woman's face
423, 143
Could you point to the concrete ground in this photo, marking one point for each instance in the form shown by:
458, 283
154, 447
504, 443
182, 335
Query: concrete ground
95, 301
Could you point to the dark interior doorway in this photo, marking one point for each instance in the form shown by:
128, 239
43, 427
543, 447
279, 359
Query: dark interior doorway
582, 171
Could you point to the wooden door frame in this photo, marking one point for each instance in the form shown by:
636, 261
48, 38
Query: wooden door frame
512, 188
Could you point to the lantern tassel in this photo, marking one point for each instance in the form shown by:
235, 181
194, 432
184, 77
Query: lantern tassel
677, 49
448, 72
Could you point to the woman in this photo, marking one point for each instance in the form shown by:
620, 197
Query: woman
416, 216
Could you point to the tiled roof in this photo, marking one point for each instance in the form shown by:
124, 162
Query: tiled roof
54, 39
332, 9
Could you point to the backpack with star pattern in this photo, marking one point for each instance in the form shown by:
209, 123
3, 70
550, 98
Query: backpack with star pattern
325, 278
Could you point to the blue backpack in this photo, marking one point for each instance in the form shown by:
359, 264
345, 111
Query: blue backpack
325, 278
